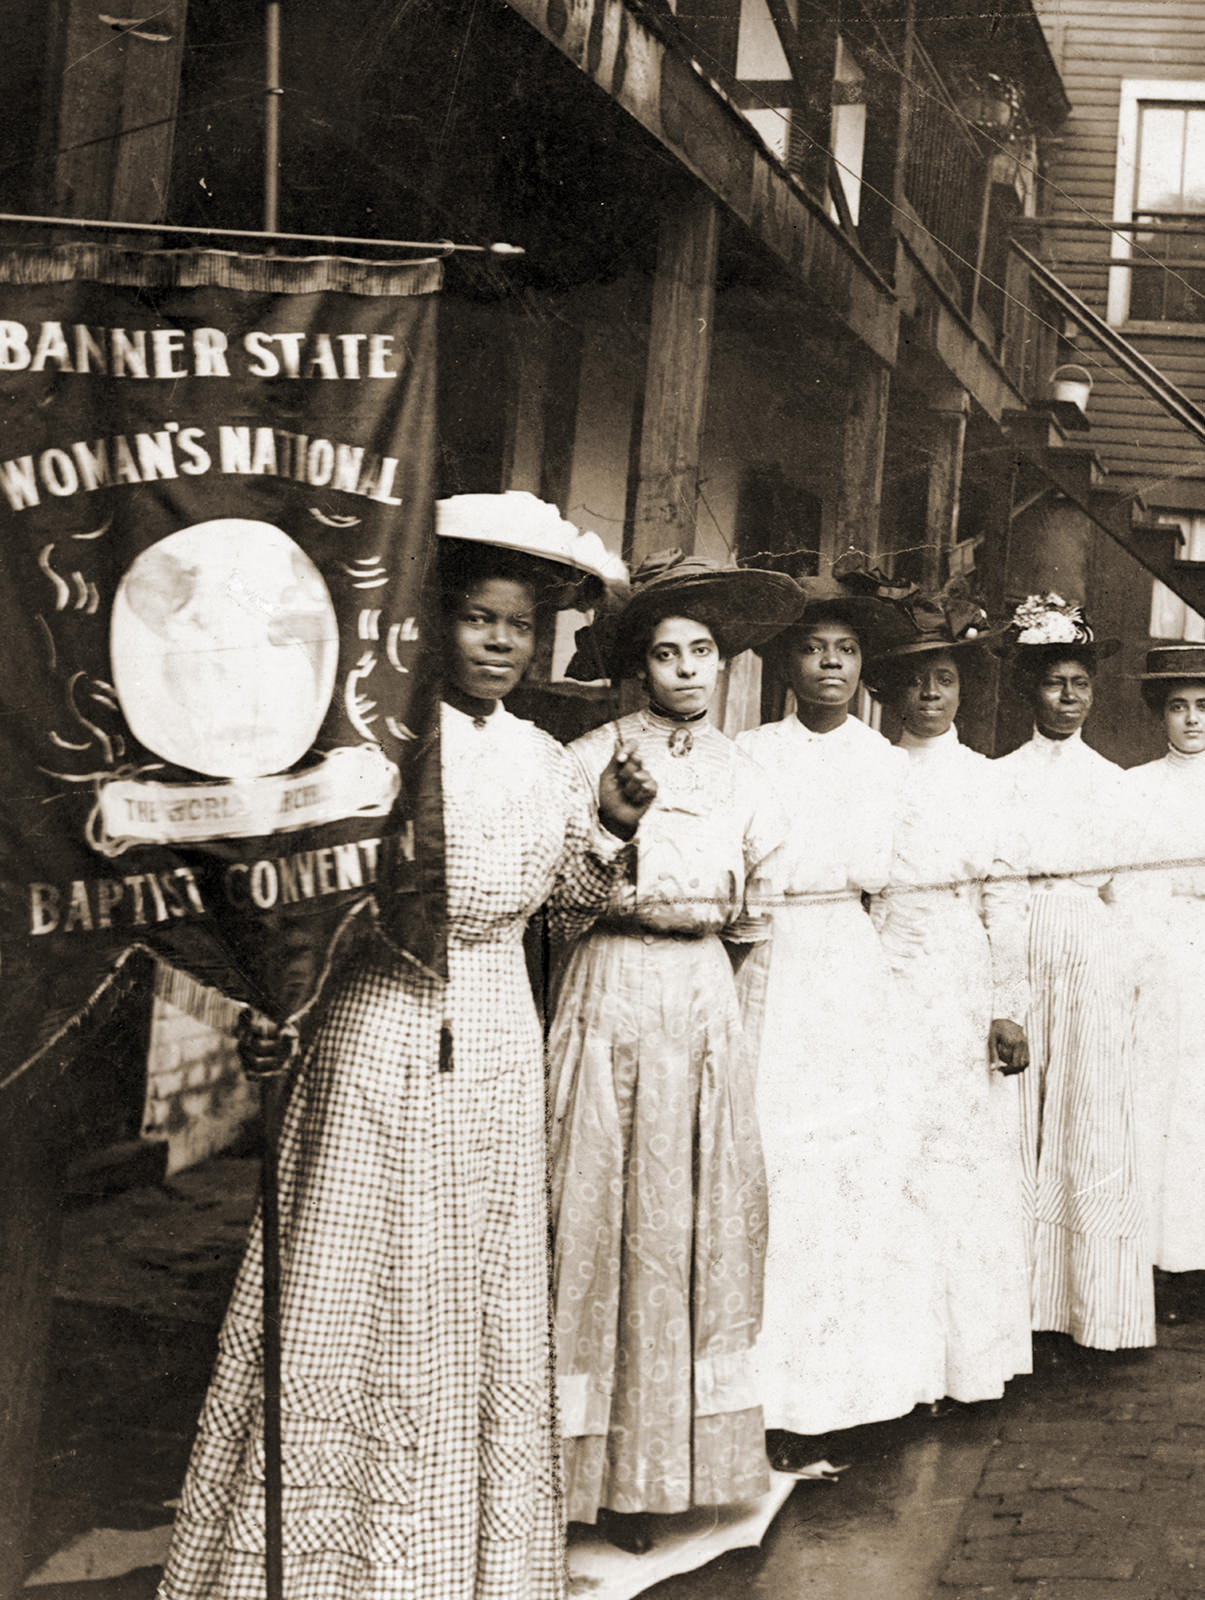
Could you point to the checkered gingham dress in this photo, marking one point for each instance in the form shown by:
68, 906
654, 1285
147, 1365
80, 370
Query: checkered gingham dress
420, 1461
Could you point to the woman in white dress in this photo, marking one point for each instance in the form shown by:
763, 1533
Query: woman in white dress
1165, 900
1092, 1274
847, 1336
658, 1188
419, 1453
959, 990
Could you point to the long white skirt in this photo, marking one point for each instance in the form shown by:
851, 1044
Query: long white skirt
1170, 1087
847, 1334
1079, 1147
969, 1173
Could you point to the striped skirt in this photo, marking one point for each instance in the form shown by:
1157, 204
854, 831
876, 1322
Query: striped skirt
1091, 1268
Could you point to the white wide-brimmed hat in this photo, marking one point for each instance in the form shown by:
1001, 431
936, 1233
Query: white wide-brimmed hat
528, 526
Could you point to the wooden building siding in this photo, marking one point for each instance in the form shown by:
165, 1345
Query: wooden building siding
1096, 44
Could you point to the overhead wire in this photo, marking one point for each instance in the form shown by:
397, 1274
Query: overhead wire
947, 250
880, 55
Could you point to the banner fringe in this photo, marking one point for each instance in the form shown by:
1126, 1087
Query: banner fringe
198, 1000
112, 988
216, 269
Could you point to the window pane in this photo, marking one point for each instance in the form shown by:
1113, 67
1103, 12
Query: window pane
1146, 294
1185, 295
1192, 184
1160, 154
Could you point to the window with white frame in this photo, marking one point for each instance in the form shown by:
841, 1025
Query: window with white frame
1160, 182
1171, 617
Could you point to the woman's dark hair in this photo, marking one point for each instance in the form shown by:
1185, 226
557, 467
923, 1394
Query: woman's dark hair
885, 678
464, 565
776, 652
634, 647
1157, 691
1032, 662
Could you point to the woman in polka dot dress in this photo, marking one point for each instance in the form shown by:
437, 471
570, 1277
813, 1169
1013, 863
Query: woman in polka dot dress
658, 1187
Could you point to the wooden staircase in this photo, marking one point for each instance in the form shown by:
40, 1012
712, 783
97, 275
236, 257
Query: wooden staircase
1050, 438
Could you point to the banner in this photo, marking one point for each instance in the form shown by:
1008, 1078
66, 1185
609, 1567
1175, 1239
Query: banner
216, 506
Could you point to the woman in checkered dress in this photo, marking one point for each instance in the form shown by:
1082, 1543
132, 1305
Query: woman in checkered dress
419, 1457
658, 1187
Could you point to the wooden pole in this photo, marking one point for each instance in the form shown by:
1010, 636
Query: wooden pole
272, 1088
679, 362
272, 1098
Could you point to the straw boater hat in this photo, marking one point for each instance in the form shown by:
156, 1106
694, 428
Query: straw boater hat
1167, 664
576, 568
1170, 661
1047, 622
743, 607
946, 620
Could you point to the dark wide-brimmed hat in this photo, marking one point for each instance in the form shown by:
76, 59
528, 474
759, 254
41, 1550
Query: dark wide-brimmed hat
938, 620
573, 568
742, 606
1049, 624
1170, 661
862, 598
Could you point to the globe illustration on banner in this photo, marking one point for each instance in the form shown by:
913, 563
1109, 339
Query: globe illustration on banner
225, 648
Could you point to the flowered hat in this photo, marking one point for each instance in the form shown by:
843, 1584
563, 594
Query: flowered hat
528, 527
743, 607
1048, 622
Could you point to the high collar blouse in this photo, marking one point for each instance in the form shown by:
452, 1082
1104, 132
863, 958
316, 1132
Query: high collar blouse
704, 836
953, 827
1167, 807
1069, 811
841, 792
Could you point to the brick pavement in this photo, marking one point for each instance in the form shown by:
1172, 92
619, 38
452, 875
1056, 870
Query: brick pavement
1087, 1482
1095, 1487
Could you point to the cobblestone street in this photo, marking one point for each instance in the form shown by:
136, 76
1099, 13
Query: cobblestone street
1086, 1483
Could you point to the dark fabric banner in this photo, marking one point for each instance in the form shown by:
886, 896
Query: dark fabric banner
217, 737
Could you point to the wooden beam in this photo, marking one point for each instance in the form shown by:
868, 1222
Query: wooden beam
946, 426
118, 93
29, 1246
639, 64
679, 363
714, 27
863, 440
112, 99
888, 128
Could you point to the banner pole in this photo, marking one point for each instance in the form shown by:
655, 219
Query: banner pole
438, 247
272, 94
272, 1098
272, 1088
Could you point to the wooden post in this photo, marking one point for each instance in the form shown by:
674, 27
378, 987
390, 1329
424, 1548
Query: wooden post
117, 89
675, 392
862, 439
888, 134
947, 426
29, 1249
112, 97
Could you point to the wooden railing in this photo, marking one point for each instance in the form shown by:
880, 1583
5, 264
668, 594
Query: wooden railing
946, 173
1047, 291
